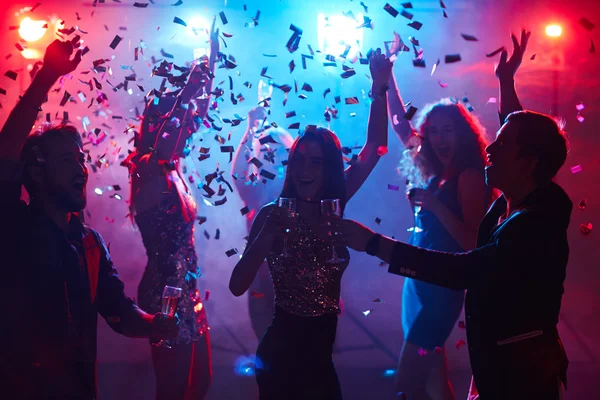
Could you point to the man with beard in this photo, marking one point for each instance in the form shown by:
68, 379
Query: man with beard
57, 274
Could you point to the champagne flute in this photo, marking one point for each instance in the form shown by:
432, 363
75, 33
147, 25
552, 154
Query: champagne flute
168, 306
330, 208
410, 192
265, 91
289, 205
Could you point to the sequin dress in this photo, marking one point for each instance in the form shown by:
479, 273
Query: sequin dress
294, 356
172, 261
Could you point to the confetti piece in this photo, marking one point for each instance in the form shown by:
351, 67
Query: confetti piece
393, 187
492, 100
469, 38
179, 2
382, 150
66, 97
419, 62
366, 313
585, 229
221, 201
378, 300
407, 5
580, 118
442, 85
347, 74
434, 68
576, 168
201, 220
582, 204
378, 220
267, 174
493, 53
35, 7
11, 75
444, 14
442, 4
452, 58
295, 125
406, 14
579, 106
437, 350
586, 23
410, 113
592, 47
245, 210
230, 252
179, 21
115, 42
223, 18
364, 6
256, 295
461, 324
307, 88
416, 25
207, 292
422, 352
533, 56
290, 114
391, 10
460, 343
351, 100
326, 92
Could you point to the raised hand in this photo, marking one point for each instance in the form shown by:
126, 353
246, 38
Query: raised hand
381, 69
58, 61
256, 116
507, 68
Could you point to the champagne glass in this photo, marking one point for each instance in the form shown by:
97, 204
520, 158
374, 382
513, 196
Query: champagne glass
331, 208
168, 306
289, 205
410, 192
265, 91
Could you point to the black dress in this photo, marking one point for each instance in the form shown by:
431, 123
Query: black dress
294, 356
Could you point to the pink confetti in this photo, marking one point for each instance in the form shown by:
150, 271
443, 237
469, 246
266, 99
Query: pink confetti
492, 100
579, 106
580, 118
437, 350
443, 85
577, 168
382, 151
585, 229
422, 352
582, 204
395, 119
206, 295
460, 343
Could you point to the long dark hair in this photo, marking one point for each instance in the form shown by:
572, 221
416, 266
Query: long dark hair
335, 182
470, 141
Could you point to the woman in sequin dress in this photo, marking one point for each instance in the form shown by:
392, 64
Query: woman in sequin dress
449, 167
294, 357
165, 214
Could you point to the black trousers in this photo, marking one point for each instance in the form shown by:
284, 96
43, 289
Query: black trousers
294, 359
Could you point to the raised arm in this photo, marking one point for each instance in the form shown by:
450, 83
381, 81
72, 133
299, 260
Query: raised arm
243, 153
377, 134
396, 109
204, 103
57, 62
505, 71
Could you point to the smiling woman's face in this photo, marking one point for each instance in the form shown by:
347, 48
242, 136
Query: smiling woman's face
439, 131
308, 172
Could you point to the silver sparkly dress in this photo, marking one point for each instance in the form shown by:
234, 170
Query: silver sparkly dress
172, 261
294, 356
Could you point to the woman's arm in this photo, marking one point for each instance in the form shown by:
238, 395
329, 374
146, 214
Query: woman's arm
377, 134
259, 245
396, 111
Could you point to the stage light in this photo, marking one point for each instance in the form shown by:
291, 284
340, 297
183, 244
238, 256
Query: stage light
31, 54
337, 32
197, 26
31, 30
553, 30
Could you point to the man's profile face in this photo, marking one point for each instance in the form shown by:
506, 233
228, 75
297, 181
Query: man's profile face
65, 174
506, 168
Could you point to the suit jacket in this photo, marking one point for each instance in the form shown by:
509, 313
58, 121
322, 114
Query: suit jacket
514, 283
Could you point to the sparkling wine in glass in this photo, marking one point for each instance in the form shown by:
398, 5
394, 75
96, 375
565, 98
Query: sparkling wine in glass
265, 91
289, 205
168, 305
332, 208
410, 192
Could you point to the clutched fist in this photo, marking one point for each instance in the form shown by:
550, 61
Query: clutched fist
58, 61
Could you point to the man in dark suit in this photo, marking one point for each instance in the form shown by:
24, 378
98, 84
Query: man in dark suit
57, 274
514, 279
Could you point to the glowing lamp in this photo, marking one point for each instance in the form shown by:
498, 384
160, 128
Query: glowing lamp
553, 30
340, 35
31, 30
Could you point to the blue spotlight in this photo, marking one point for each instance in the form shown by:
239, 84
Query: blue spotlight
389, 373
340, 35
